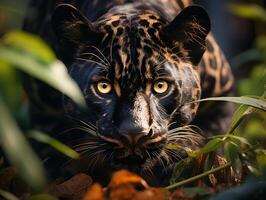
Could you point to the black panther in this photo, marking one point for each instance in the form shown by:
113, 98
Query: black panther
142, 66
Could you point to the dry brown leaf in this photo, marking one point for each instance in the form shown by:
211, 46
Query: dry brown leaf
74, 188
123, 177
94, 193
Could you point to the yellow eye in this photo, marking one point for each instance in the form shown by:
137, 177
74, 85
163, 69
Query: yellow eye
104, 87
160, 87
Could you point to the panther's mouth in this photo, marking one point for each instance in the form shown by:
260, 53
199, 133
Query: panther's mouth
134, 159
132, 162
129, 156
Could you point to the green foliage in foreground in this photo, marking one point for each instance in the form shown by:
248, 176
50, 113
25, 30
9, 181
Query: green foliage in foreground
242, 143
39, 62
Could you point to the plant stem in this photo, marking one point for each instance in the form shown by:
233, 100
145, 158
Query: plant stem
189, 180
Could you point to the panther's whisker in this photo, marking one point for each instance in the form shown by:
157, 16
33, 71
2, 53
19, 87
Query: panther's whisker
89, 144
180, 140
87, 130
184, 130
182, 134
165, 157
88, 124
100, 53
83, 122
93, 61
173, 154
89, 154
148, 167
95, 161
158, 67
188, 127
158, 157
184, 137
92, 54
85, 147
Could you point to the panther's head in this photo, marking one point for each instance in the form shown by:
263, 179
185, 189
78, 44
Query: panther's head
139, 75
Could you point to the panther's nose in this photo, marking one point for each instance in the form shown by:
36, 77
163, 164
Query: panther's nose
133, 137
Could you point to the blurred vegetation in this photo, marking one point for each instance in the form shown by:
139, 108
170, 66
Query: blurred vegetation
243, 144
40, 62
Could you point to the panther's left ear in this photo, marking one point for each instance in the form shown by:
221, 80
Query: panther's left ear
72, 28
189, 28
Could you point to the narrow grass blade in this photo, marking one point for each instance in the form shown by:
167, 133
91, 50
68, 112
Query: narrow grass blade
250, 101
44, 138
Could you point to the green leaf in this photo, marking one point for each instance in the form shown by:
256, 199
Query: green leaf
212, 145
255, 128
18, 151
261, 159
238, 115
42, 197
20, 40
254, 84
10, 86
231, 153
54, 74
207, 163
261, 44
241, 139
7, 195
248, 11
250, 101
44, 138
174, 146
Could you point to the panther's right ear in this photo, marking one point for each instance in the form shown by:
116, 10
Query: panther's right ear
72, 28
189, 28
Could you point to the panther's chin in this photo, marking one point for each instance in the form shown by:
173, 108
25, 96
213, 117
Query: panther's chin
132, 162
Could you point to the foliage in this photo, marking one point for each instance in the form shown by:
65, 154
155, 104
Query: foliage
242, 145
40, 62
250, 11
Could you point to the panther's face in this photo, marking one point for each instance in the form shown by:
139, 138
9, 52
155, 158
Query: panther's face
139, 75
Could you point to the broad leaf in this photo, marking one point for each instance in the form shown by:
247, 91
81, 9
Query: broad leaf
241, 139
18, 150
40, 66
10, 86
232, 155
212, 145
20, 40
237, 117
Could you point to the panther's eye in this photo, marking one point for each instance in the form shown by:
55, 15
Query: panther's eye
160, 86
104, 87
